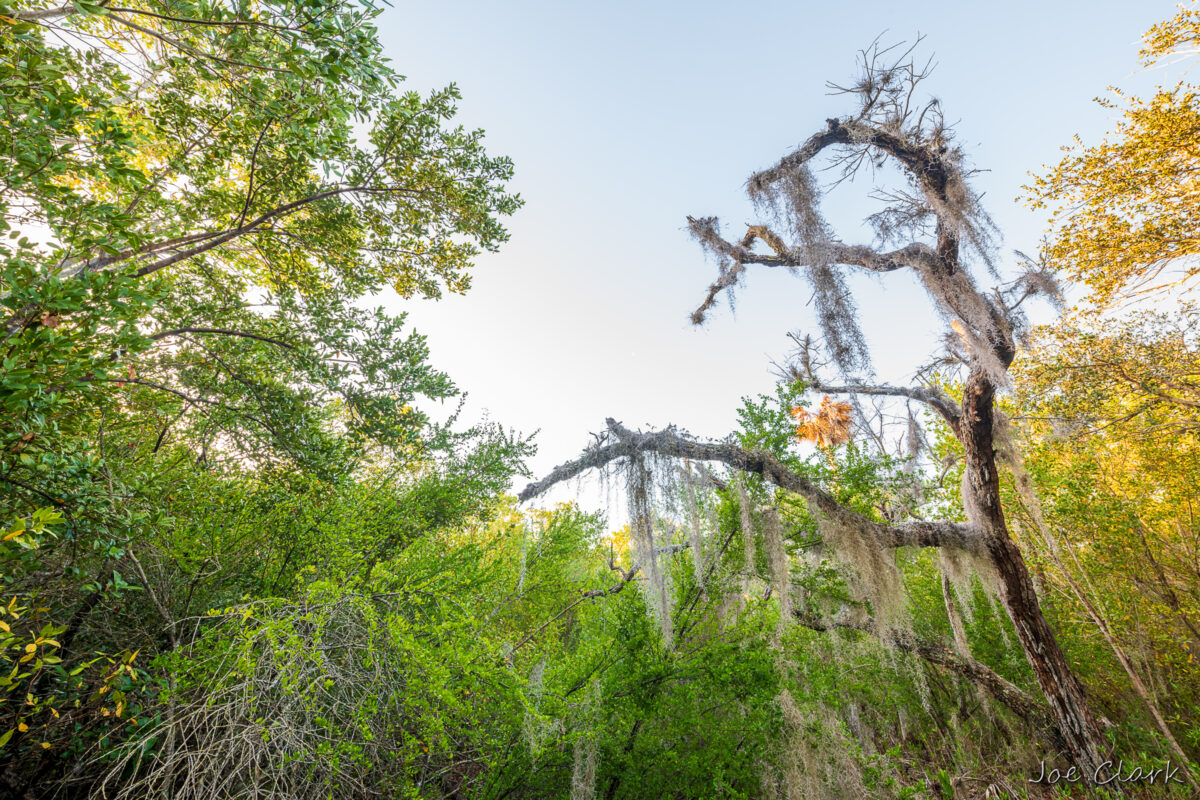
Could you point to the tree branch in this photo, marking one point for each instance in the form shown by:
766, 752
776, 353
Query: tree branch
933, 397
18, 320
223, 332
917, 255
922, 162
46, 13
1013, 698
668, 443
253, 168
835, 134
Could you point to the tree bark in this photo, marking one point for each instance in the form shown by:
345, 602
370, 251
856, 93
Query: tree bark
981, 495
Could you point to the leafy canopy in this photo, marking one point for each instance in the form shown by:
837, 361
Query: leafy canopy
1127, 207
198, 194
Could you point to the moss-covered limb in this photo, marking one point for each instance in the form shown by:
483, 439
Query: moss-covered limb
925, 160
941, 200
835, 134
855, 255
1009, 695
915, 255
623, 443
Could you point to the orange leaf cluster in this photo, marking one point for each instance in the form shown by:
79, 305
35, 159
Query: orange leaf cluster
828, 427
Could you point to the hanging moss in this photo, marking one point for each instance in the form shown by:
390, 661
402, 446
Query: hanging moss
871, 571
781, 572
583, 773
656, 586
749, 536
819, 759
697, 529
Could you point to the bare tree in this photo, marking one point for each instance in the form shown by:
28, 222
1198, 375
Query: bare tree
933, 228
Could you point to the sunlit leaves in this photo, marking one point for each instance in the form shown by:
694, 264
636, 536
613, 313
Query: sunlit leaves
829, 426
1127, 208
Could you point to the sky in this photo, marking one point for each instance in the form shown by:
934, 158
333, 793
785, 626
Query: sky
623, 118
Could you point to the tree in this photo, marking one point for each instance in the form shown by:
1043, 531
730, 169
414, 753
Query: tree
1121, 388
198, 194
197, 199
1111, 436
1127, 206
1128, 377
933, 225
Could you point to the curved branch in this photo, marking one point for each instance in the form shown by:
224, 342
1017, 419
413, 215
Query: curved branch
933, 397
923, 162
223, 332
917, 255
835, 134
1012, 697
758, 462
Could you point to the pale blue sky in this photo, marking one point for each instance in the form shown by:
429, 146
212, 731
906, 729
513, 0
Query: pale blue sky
624, 117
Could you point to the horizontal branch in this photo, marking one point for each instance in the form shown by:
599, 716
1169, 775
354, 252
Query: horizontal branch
917, 255
150, 384
223, 332
46, 13
757, 462
70, 9
933, 397
1012, 697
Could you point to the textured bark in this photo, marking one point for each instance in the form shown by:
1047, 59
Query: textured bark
981, 490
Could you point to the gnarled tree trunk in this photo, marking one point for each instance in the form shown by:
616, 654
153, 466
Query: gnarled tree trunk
981, 488
889, 126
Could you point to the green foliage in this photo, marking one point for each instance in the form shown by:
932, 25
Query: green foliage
199, 197
1126, 208
244, 562
1111, 440
46, 694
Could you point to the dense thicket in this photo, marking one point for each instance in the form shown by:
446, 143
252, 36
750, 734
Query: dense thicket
239, 560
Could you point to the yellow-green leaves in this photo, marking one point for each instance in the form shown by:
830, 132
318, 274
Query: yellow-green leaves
28, 533
1127, 210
